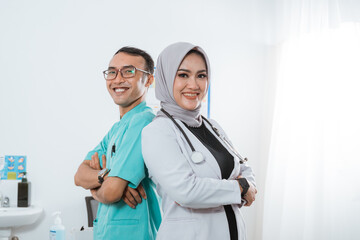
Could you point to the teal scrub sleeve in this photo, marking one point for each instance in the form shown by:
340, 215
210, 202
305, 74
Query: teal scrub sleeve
128, 162
101, 148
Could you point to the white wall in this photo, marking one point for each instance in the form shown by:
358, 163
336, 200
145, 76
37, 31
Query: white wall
54, 106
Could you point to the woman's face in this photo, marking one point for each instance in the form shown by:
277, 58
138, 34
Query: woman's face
191, 82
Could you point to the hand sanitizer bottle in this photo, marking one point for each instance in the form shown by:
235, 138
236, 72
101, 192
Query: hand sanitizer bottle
57, 231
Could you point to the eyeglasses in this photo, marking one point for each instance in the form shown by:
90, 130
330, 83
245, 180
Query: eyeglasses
126, 72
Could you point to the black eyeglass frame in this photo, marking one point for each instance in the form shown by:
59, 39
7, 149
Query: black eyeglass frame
121, 69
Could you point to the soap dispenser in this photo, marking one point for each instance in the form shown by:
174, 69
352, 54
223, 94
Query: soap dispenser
24, 192
57, 231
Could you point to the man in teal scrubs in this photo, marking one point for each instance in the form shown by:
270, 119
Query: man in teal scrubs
113, 180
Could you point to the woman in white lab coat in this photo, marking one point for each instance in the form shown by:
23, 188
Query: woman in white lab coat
201, 181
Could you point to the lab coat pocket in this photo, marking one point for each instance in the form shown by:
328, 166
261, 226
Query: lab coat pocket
178, 228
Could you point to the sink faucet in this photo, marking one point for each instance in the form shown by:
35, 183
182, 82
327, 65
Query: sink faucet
6, 202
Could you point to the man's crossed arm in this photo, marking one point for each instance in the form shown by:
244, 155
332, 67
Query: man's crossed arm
113, 189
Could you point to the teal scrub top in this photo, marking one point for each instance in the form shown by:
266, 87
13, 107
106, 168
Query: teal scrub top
117, 220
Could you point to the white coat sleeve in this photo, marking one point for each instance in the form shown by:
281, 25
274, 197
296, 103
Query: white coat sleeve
245, 170
169, 168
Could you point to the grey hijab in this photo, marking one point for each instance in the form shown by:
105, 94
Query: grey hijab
167, 65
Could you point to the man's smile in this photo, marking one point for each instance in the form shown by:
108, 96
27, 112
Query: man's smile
120, 89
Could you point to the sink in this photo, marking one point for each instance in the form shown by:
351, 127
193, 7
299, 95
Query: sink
16, 217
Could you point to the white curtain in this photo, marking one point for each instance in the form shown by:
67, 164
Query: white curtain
313, 180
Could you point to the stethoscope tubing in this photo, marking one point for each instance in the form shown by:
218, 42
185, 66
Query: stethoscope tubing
242, 160
178, 126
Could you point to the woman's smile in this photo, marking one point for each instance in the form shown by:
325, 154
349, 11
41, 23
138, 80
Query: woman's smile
191, 82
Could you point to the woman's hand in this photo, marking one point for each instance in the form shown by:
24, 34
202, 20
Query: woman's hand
132, 197
250, 195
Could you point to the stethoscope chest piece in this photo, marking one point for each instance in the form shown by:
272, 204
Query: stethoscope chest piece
197, 157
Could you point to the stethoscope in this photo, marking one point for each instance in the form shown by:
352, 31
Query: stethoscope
196, 156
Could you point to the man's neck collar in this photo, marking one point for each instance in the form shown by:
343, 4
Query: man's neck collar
127, 111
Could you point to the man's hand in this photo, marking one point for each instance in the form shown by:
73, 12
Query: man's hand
87, 173
94, 194
132, 197
95, 162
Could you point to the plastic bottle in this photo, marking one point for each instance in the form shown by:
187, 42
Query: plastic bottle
24, 193
57, 231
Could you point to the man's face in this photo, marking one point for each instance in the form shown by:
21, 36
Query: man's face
127, 92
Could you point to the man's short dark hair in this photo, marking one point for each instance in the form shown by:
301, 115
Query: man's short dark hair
149, 62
